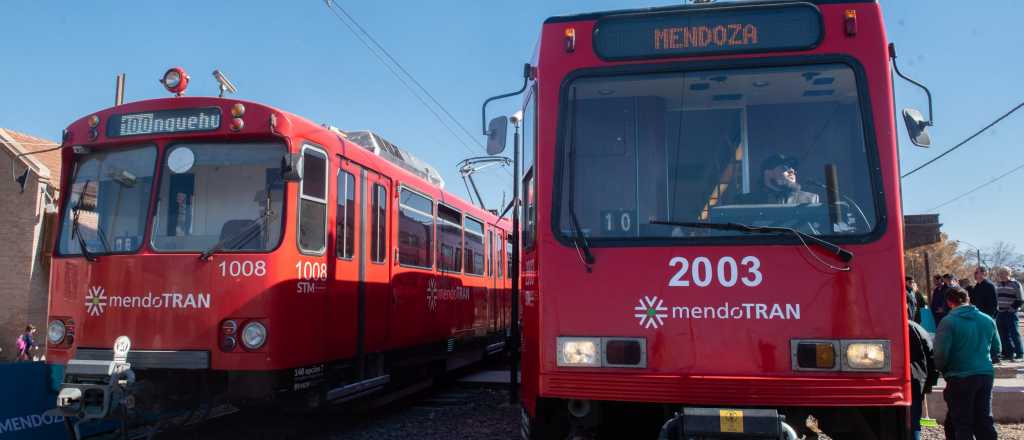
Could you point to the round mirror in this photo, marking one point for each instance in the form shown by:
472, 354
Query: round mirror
181, 160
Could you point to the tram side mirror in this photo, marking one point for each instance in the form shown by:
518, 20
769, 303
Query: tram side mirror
497, 131
917, 127
290, 170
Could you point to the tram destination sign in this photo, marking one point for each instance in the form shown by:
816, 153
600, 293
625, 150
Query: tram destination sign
726, 30
164, 121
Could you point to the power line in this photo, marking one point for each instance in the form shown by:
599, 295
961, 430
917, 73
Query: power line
969, 138
364, 37
401, 79
406, 72
994, 180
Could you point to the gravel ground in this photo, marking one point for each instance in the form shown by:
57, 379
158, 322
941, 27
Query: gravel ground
456, 412
1006, 432
450, 411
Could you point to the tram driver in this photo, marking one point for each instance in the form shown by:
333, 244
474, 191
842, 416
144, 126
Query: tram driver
778, 184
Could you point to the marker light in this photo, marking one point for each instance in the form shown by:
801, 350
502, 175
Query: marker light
570, 39
254, 335
579, 352
94, 121
866, 355
229, 327
55, 331
851, 22
237, 110
237, 124
816, 355
175, 80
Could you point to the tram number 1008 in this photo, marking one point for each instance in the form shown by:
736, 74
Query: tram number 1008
244, 268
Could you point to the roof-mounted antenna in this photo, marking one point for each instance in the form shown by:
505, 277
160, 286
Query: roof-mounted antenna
225, 85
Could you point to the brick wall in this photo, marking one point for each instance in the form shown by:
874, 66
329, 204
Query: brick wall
23, 281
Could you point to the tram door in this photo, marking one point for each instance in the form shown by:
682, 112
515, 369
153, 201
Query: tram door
361, 295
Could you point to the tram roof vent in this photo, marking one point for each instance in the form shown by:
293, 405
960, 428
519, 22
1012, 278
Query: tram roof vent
381, 147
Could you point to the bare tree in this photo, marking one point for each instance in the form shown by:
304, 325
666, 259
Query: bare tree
1003, 254
943, 257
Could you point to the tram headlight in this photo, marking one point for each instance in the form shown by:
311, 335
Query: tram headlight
866, 355
55, 331
175, 80
254, 335
579, 352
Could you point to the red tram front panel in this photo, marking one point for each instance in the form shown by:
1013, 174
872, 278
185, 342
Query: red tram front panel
261, 254
652, 124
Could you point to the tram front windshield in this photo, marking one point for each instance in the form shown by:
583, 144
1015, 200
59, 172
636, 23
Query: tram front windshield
224, 195
106, 210
779, 146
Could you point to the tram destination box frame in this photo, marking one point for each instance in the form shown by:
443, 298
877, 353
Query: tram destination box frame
711, 31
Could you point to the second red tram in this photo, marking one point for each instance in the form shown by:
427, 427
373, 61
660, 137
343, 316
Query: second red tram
712, 236
252, 256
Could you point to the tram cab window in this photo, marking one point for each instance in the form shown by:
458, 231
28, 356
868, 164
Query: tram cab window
415, 229
449, 241
108, 202
710, 146
220, 192
474, 247
313, 201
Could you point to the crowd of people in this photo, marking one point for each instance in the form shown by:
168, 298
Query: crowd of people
975, 327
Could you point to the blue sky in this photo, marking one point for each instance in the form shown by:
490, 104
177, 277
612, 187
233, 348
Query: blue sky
60, 59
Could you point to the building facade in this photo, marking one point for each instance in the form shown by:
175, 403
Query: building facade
27, 227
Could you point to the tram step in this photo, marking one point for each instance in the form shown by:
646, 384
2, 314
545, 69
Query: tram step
358, 389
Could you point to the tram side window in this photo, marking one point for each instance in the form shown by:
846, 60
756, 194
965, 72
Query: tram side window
490, 248
530, 208
379, 207
345, 241
474, 247
313, 202
449, 231
415, 230
508, 256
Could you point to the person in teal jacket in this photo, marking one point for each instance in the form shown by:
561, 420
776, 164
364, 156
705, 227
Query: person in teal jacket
963, 344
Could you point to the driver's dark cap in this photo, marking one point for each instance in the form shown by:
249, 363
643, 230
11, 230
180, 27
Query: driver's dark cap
779, 159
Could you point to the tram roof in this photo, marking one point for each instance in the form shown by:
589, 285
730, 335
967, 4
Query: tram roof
683, 7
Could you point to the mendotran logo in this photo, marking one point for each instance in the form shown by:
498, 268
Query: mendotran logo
652, 312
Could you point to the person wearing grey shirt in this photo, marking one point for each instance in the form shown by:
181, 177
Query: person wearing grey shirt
1010, 297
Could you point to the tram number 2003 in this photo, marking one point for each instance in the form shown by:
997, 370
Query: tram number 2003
726, 271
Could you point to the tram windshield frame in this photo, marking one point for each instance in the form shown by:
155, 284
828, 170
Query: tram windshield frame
817, 108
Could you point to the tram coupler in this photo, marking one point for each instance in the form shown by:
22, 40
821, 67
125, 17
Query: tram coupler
722, 423
94, 390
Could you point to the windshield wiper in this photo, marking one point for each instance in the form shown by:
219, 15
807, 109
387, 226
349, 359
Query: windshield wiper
579, 240
75, 231
832, 248
245, 233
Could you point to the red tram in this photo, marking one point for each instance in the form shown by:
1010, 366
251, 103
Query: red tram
253, 256
712, 235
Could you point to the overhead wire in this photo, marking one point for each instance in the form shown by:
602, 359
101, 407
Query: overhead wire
367, 39
991, 181
969, 138
399, 77
406, 72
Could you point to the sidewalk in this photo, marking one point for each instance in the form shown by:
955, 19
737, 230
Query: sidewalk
1007, 395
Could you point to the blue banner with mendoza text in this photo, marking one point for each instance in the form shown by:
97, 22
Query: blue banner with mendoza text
28, 393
